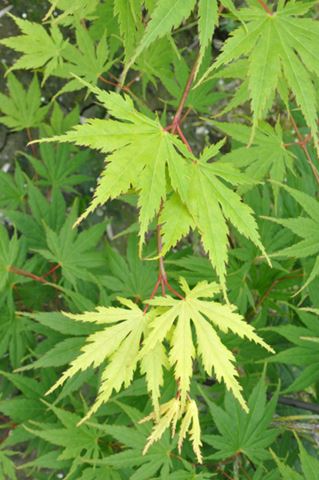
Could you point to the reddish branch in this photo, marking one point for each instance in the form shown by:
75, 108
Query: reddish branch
273, 285
52, 270
303, 142
30, 139
24, 273
32, 276
178, 115
265, 7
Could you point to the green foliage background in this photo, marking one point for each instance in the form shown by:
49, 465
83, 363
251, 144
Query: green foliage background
199, 118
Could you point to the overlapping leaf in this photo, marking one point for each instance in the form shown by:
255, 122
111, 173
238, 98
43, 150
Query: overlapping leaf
277, 46
39, 49
85, 59
304, 352
119, 342
307, 228
267, 154
167, 15
180, 317
207, 203
248, 433
131, 136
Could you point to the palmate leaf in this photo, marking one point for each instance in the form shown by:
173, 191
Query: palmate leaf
207, 203
74, 252
201, 197
119, 342
277, 46
248, 433
85, 59
267, 154
22, 108
75, 442
131, 136
171, 322
304, 351
177, 320
307, 228
38, 48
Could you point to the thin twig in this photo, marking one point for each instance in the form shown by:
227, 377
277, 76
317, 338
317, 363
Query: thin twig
30, 139
178, 115
265, 7
24, 273
303, 141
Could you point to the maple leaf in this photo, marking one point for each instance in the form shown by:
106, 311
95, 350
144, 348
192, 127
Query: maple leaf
22, 109
131, 136
307, 228
266, 155
248, 433
85, 59
208, 18
276, 46
38, 48
118, 343
207, 203
174, 324
167, 15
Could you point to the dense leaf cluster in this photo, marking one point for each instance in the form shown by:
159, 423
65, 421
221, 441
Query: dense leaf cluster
162, 321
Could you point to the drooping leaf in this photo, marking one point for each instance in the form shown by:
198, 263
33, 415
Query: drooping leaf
275, 45
168, 14
204, 315
208, 17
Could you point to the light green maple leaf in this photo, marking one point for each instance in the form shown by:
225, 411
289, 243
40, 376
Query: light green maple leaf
118, 343
208, 18
85, 59
173, 322
207, 203
131, 136
181, 316
267, 154
22, 109
277, 46
168, 14
39, 48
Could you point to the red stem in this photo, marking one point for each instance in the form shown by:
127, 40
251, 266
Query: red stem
180, 132
53, 269
30, 139
265, 7
302, 142
24, 273
178, 115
